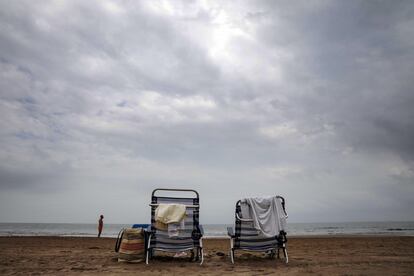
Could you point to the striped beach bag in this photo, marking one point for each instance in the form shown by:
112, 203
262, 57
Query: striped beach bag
130, 245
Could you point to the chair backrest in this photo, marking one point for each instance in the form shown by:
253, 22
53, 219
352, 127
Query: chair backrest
244, 228
191, 220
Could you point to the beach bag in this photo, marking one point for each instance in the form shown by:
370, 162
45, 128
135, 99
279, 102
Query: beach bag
130, 245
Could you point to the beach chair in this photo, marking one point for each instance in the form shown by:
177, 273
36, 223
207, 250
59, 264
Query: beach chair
246, 237
189, 238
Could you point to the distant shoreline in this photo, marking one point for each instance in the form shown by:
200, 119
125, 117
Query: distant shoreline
214, 230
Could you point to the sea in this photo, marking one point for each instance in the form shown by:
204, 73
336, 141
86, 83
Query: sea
211, 230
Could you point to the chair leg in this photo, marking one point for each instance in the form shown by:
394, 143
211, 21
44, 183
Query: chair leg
192, 255
232, 250
286, 255
148, 249
202, 255
200, 251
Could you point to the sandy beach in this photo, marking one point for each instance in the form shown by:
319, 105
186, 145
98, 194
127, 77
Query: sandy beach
307, 255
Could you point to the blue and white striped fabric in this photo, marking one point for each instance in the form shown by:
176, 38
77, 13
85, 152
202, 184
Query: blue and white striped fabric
187, 238
249, 238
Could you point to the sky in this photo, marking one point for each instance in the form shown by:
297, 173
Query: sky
103, 101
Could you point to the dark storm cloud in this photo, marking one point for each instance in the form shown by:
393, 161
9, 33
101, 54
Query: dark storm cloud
33, 181
357, 56
90, 39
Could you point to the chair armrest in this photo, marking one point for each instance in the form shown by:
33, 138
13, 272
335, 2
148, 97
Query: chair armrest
148, 229
140, 225
198, 232
281, 238
230, 232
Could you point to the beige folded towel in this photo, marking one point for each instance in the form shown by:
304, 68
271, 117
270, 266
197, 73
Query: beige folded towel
169, 213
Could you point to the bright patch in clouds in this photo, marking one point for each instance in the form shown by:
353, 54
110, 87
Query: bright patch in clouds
279, 131
152, 106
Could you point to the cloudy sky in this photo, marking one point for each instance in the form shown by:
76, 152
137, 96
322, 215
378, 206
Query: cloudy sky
101, 102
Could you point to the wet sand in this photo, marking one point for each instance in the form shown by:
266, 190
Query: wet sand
307, 255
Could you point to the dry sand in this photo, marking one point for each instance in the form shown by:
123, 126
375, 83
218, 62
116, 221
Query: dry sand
307, 255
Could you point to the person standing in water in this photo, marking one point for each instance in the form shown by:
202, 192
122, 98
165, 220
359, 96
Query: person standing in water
100, 226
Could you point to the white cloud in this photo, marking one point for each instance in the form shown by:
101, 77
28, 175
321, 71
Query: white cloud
113, 7
283, 172
279, 131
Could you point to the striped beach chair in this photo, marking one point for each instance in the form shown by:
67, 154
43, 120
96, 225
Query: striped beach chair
246, 237
189, 238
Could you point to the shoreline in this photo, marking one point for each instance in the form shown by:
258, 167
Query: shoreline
397, 228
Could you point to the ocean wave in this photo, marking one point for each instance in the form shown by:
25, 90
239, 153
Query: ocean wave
329, 228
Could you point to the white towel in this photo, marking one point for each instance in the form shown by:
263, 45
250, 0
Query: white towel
169, 213
267, 214
173, 216
175, 228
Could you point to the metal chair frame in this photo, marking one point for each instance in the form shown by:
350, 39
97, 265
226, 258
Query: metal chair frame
280, 239
197, 234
